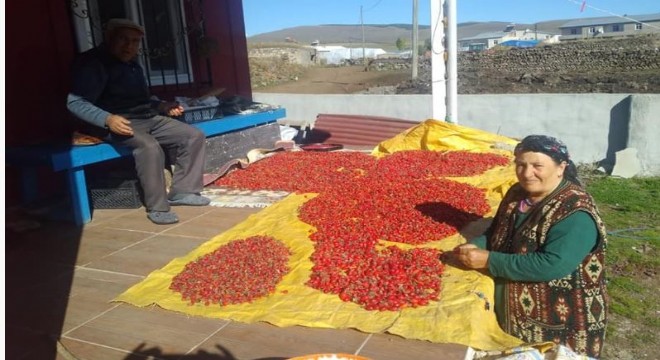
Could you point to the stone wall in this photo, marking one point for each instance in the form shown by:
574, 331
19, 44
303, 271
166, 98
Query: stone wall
292, 55
607, 55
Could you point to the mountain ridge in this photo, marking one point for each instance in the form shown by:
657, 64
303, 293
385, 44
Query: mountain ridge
387, 33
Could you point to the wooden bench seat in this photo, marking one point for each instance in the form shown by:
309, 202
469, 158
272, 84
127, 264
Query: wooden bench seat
73, 158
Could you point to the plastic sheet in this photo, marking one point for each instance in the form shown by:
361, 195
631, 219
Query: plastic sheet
459, 316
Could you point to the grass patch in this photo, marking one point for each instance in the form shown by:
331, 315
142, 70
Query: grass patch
630, 209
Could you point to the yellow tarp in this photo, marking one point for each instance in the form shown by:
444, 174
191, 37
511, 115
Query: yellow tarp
460, 316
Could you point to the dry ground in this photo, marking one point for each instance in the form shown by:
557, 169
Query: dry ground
354, 79
338, 80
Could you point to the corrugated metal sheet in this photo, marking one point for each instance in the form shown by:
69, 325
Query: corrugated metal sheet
355, 129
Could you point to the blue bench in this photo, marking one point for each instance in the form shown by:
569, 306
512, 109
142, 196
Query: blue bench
73, 158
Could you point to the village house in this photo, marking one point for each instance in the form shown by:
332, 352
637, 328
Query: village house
610, 26
485, 41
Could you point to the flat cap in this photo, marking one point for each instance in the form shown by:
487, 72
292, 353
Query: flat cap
123, 23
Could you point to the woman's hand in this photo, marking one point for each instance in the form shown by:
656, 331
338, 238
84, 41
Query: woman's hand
470, 256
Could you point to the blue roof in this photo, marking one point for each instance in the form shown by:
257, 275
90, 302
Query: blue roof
520, 43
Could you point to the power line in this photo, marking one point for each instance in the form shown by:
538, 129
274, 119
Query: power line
586, 4
374, 5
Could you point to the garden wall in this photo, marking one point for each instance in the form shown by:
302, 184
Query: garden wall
594, 126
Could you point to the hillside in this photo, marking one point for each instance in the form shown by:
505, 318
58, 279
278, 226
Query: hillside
385, 34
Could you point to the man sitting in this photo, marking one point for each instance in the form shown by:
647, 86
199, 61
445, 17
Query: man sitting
109, 90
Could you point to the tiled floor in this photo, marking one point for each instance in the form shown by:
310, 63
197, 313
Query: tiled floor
60, 280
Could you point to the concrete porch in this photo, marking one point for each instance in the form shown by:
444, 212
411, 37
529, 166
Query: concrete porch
60, 279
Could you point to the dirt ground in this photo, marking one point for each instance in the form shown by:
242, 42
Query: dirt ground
354, 79
338, 80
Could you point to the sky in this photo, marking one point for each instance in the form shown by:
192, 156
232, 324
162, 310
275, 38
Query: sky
262, 16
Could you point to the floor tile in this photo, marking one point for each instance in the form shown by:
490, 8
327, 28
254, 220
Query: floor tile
147, 330
90, 351
91, 295
213, 222
99, 242
51, 242
136, 221
60, 279
147, 256
265, 341
40, 308
24, 344
101, 216
392, 347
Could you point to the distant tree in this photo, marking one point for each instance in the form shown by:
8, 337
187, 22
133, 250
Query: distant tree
400, 44
423, 48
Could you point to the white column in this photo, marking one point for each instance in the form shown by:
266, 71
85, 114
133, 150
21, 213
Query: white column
438, 72
452, 62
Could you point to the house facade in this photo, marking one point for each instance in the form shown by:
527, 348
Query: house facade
485, 41
610, 26
190, 48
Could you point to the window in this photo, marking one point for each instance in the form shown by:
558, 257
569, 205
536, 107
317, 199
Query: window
617, 28
165, 55
638, 26
592, 30
574, 31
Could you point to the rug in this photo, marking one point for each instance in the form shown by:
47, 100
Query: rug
234, 198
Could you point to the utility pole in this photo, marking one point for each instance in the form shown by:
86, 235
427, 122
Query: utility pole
444, 60
438, 62
452, 61
415, 46
536, 33
364, 56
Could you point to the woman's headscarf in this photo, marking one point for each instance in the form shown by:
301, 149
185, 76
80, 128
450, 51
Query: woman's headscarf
552, 147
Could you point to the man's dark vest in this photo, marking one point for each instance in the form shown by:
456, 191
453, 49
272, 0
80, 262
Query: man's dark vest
126, 92
572, 310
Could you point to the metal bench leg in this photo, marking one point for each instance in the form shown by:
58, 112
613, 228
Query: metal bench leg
79, 198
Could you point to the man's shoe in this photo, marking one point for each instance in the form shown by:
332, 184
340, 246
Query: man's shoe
163, 217
189, 200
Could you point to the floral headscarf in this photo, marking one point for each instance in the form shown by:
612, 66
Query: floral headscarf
552, 147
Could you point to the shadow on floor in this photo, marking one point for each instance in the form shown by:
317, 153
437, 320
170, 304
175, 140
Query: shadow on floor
40, 256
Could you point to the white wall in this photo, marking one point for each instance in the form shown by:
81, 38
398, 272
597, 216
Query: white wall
593, 126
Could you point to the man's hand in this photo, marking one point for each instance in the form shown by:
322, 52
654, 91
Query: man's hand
170, 108
119, 125
470, 256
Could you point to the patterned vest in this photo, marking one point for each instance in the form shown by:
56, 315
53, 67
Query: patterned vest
571, 310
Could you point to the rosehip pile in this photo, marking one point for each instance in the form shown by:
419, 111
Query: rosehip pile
362, 200
301, 171
238, 272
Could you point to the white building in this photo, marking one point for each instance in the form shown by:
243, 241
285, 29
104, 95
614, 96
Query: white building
488, 40
335, 55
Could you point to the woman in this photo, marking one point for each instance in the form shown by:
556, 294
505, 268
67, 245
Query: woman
545, 250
